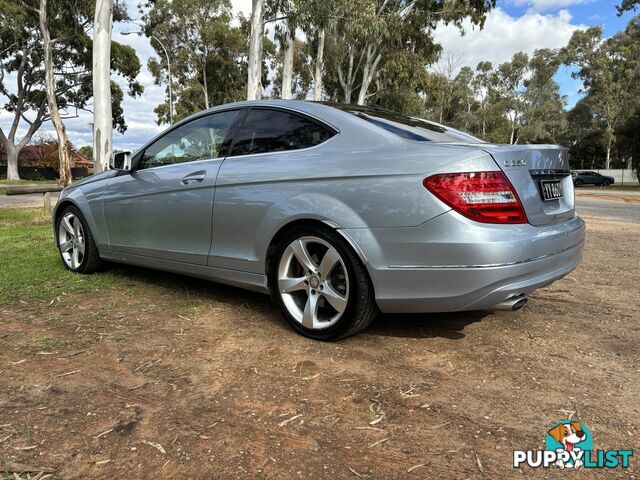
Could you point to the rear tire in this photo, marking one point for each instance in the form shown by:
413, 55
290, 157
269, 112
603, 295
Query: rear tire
75, 242
320, 284
578, 183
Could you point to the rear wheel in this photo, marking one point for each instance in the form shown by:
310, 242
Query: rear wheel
75, 242
578, 183
321, 285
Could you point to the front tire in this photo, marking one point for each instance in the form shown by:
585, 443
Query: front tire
320, 284
578, 183
606, 182
75, 242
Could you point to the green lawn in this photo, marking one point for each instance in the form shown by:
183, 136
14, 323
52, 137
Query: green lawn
30, 266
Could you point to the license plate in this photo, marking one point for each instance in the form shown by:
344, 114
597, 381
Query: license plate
551, 189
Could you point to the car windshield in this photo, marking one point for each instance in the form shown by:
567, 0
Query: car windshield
411, 128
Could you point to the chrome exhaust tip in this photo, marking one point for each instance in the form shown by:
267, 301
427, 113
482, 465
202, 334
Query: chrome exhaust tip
512, 304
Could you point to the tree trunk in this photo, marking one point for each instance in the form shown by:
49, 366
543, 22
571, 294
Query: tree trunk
609, 143
317, 87
370, 66
347, 83
205, 85
102, 115
287, 64
12, 162
254, 67
63, 150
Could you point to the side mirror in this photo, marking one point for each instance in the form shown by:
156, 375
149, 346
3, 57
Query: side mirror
121, 161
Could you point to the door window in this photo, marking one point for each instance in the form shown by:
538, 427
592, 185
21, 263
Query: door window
266, 130
199, 139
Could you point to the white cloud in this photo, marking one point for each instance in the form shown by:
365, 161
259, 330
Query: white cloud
504, 35
547, 5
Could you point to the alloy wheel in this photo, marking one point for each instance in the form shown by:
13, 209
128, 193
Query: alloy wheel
71, 240
313, 282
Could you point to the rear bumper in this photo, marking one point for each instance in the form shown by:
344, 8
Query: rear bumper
452, 264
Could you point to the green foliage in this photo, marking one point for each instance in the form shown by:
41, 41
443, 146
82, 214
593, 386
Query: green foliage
207, 54
21, 53
627, 5
610, 71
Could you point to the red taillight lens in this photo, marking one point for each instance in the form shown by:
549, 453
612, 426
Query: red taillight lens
485, 197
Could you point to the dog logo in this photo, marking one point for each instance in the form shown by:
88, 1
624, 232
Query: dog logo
569, 436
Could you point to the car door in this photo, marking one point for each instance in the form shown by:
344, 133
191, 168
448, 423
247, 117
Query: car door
164, 208
592, 177
272, 152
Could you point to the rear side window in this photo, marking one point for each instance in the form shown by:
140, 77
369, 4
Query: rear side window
267, 130
411, 128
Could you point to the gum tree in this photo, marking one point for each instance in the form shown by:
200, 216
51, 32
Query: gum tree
23, 73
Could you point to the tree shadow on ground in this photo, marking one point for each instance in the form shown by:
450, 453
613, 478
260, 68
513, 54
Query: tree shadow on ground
419, 325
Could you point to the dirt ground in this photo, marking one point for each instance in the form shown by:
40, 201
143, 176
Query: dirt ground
205, 381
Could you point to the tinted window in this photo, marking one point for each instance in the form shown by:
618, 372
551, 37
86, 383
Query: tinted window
197, 140
274, 131
411, 128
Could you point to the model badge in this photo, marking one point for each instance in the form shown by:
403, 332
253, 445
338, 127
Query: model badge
515, 163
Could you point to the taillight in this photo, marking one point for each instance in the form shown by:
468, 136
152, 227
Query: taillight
486, 197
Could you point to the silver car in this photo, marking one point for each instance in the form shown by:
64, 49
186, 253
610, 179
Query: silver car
337, 211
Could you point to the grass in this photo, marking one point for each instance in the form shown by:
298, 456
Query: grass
30, 265
31, 268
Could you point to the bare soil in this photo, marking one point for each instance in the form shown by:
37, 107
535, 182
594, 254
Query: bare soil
187, 379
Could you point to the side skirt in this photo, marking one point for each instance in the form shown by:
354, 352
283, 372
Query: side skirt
246, 280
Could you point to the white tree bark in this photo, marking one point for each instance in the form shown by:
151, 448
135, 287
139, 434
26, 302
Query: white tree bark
287, 64
319, 70
254, 67
370, 67
346, 81
12, 162
102, 115
63, 151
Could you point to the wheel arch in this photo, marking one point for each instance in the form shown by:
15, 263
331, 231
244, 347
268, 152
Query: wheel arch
283, 230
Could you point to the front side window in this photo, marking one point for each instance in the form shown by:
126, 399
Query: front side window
266, 130
199, 139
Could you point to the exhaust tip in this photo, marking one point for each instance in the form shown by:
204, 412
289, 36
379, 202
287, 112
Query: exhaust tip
512, 304
520, 303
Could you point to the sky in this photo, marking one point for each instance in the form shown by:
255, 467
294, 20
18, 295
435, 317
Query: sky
513, 26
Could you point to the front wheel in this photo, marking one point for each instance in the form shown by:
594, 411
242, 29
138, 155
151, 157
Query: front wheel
606, 182
75, 242
321, 285
578, 183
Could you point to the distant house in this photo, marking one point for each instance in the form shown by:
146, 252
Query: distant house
37, 162
45, 156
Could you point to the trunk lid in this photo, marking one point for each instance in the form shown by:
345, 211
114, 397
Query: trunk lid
536, 172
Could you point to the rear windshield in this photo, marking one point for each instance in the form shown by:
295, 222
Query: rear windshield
411, 128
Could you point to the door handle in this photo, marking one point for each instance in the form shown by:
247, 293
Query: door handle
195, 177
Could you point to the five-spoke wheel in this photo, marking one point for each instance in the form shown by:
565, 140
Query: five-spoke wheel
321, 285
71, 240
313, 282
75, 242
